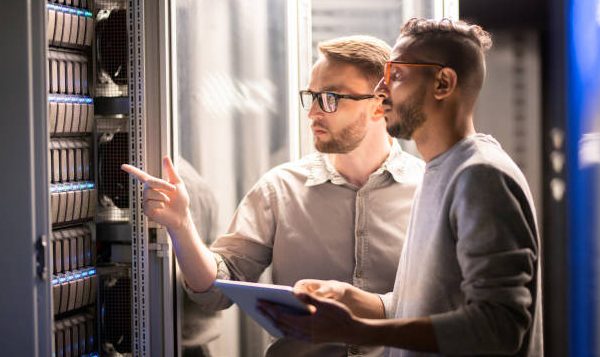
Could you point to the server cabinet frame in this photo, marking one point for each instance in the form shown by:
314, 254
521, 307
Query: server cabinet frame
153, 309
26, 293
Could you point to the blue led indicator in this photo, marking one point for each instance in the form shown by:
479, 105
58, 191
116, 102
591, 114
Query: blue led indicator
70, 99
61, 280
54, 281
77, 276
84, 274
69, 10
92, 271
72, 187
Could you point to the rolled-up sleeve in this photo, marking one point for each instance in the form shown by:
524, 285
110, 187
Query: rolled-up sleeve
497, 252
212, 299
388, 304
246, 251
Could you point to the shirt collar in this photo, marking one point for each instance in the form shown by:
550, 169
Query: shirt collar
321, 169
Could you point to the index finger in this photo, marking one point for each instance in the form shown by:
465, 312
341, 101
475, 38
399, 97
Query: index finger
137, 173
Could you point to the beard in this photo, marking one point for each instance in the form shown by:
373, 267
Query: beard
408, 117
346, 140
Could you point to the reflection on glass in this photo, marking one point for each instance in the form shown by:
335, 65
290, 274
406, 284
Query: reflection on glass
231, 106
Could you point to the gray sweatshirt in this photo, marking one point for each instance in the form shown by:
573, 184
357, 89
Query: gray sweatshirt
471, 259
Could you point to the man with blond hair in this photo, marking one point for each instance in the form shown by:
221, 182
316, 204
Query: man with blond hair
340, 213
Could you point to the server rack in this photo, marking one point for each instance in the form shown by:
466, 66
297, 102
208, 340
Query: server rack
84, 260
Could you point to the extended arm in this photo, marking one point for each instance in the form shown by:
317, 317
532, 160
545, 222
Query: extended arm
167, 203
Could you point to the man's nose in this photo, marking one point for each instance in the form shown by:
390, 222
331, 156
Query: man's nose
315, 111
381, 89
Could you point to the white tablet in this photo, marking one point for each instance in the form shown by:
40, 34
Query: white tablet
246, 296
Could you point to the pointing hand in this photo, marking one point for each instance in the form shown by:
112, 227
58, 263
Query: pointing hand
165, 202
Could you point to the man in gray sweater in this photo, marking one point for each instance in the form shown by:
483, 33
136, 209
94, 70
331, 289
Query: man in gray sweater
468, 282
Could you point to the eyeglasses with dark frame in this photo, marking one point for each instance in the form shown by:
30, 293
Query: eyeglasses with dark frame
387, 73
328, 101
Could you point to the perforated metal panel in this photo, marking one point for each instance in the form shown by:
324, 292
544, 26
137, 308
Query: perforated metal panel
113, 139
139, 239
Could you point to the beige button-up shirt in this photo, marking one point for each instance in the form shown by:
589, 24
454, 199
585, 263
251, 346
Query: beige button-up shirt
307, 221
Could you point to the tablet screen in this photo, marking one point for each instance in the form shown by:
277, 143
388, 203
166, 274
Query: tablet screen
246, 296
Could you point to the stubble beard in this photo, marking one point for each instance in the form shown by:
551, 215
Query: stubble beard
346, 140
409, 117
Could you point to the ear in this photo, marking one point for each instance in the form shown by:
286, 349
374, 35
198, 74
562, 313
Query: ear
446, 81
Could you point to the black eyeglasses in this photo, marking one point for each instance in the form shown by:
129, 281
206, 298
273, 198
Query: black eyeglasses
328, 101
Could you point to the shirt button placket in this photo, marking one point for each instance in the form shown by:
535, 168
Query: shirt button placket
359, 239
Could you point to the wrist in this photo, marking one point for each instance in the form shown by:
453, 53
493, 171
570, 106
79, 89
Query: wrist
362, 332
185, 224
348, 297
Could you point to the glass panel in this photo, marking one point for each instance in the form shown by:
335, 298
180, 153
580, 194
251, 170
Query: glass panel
232, 110
334, 18
232, 105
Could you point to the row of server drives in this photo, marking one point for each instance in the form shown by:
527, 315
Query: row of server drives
68, 73
75, 336
83, 4
73, 197
72, 249
70, 115
70, 160
72, 203
69, 27
74, 290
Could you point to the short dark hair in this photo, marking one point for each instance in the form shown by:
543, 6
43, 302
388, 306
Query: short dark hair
456, 44
369, 54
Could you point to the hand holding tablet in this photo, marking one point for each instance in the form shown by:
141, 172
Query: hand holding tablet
247, 295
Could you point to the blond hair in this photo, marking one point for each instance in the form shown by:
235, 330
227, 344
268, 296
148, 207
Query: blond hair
369, 54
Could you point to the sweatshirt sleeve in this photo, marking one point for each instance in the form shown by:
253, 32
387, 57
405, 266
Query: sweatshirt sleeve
497, 251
